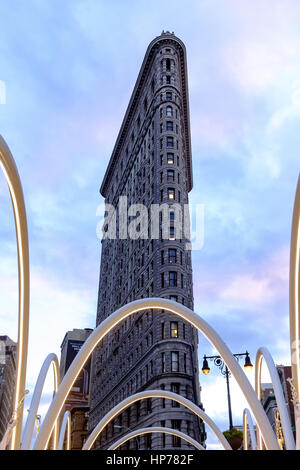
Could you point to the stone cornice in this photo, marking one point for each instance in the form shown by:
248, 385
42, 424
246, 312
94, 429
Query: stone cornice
164, 38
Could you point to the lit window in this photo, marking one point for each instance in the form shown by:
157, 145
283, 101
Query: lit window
170, 158
174, 329
171, 193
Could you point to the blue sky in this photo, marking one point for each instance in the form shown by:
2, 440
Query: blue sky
69, 69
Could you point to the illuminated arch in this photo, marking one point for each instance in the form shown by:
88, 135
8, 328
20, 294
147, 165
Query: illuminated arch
261, 354
154, 394
35, 401
139, 432
248, 419
295, 308
65, 427
186, 314
15, 188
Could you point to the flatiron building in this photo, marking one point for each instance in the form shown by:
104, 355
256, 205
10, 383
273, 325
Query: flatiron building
150, 165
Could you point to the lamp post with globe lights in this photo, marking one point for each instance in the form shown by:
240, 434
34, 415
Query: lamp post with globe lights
218, 361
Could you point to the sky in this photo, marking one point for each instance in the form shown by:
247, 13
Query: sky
68, 70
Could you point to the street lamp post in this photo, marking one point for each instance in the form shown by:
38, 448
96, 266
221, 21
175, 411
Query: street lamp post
218, 361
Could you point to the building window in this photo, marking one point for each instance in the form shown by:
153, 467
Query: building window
168, 79
161, 112
172, 233
175, 361
169, 111
171, 193
163, 362
174, 329
161, 126
162, 387
162, 257
176, 424
169, 125
138, 410
168, 65
148, 441
170, 158
172, 279
184, 363
162, 280
170, 141
172, 255
149, 405
163, 435
170, 175
175, 388
168, 96
174, 298
163, 330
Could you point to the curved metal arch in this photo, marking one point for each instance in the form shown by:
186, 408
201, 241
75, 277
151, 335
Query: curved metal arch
294, 301
35, 401
113, 320
159, 429
65, 426
248, 419
154, 394
9, 168
261, 354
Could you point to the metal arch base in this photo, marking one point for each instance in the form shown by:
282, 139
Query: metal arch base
188, 315
35, 401
154, 394
141, 431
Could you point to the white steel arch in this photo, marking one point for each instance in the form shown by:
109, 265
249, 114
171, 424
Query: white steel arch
35, 401
247, 419
261, 354
65, 427
9, 168
154, 394
294, 301
188, 315
153, 429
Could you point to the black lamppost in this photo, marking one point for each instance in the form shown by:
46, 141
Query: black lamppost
224, 371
